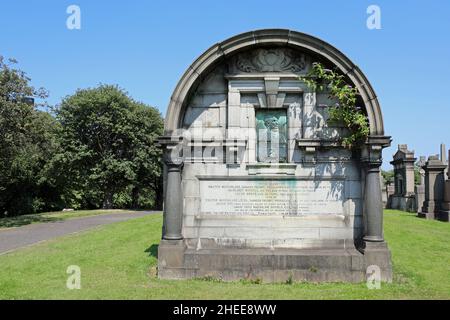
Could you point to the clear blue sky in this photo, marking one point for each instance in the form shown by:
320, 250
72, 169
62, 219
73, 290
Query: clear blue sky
145, 46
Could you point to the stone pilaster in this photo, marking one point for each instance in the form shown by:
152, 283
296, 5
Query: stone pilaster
173, 195
373, 206
376, 251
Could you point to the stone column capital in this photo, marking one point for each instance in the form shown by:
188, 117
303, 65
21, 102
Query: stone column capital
371, 152
172, 147
373, 166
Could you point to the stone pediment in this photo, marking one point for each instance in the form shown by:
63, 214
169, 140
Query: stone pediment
283, 60
403, 153
399, 155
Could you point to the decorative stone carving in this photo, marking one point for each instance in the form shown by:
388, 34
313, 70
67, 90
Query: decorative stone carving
270, 60
271, 126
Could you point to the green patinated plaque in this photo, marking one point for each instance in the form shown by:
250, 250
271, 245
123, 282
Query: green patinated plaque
271, 130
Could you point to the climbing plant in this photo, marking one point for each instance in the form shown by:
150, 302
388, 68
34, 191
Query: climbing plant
344, 112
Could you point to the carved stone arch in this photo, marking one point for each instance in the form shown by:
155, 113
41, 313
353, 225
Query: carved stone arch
271, 37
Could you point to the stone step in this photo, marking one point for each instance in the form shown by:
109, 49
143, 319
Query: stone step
275, 265
245, 259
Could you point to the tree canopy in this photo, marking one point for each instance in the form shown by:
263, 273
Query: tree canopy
95, 149
107, 146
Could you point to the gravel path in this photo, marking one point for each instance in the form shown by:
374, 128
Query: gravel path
14, 238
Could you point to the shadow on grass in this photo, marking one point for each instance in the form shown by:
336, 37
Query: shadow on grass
24, 220
152, 250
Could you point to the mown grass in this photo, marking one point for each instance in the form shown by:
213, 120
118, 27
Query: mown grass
18, 221
118, 261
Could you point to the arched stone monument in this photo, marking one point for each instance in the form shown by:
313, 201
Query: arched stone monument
257, 184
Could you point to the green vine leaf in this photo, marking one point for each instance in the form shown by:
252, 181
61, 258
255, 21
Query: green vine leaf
345, 112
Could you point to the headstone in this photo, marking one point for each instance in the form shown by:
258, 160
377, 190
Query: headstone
390, 190
404, 196
422, 161
420, 189
420, 195
257, 184
444, 214
384, 197
434, 188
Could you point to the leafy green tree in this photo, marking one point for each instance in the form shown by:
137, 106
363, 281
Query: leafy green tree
388, 176
108, 154
416, 174
27, 142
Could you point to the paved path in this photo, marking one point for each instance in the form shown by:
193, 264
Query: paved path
11, 239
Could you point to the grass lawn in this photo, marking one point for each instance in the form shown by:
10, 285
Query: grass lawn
118, 261
52, 216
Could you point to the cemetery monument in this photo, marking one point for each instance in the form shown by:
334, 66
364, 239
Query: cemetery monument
404, 195
256, 182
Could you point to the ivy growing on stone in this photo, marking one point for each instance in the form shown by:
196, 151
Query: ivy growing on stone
345, 112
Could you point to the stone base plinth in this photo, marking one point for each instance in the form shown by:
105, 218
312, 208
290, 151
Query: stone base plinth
426, 215
444, 215
404, 203
279, 265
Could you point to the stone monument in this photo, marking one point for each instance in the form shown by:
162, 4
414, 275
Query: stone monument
444, 214
419, 189
257, 184
434, 187
404, 196
390, 190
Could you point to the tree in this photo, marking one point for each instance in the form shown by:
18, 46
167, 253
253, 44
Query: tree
417, 178
27, 142
388, 176
108, 152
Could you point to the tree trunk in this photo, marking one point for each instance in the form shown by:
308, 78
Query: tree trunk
159, 194
135, 197
108, 200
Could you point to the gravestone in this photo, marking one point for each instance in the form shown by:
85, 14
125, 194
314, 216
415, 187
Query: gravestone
444, 214
404, 196
257, 184
434, 188
419, 189
384, 193
390, 190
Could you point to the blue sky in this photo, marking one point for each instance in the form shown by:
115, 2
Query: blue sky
145, 46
